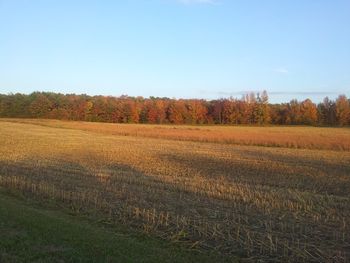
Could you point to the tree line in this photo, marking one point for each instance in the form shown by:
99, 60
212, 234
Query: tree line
250, 109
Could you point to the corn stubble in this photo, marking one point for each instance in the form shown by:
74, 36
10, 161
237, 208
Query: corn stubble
261, 203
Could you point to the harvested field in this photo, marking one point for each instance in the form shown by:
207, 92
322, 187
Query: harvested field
301, 137
209, 187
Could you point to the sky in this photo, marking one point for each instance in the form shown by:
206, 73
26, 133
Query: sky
176, 48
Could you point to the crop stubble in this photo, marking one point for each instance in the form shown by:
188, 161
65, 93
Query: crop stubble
287, 203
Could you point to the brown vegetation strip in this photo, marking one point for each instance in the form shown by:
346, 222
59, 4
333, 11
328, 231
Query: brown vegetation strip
302, 137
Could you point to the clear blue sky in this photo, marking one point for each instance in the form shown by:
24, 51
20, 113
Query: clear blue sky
176, 48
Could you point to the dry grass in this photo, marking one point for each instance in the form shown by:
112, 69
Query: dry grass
274, 136
263, 203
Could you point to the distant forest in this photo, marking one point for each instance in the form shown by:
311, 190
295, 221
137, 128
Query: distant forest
250, 109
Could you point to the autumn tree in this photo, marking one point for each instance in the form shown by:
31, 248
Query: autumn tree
294, 112
262, 109
279, 113
176, 112
342, 110
197, 111
326, 112
161, 105
153, 111
308, 111
251, 109
249, 112
216, 111
130, 112
231, 111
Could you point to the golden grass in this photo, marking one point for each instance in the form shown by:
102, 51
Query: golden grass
267, 203
304, 137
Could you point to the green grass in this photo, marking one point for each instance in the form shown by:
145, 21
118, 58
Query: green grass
31, 233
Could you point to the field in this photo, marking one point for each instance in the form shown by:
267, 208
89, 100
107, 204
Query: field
260, 193
32, 233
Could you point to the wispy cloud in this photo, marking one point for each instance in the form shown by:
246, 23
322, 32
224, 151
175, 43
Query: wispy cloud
305, 93
281, 70
272, 93
190, 2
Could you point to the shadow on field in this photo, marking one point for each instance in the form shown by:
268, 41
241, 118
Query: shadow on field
268, 169
323, 175
116, 184
299, 158
68, 174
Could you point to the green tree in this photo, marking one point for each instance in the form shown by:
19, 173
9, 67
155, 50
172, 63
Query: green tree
41, 106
